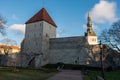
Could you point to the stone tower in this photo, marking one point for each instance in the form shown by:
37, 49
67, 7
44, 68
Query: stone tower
39, 29
90, 34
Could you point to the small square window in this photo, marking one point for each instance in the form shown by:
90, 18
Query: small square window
40, 24
46, 35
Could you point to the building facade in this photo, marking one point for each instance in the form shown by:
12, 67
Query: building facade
6, 49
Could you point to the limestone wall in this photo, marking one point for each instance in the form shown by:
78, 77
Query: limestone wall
69, 50
33, 37
36, 43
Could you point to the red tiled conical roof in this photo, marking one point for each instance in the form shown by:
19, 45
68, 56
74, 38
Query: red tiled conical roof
42, 15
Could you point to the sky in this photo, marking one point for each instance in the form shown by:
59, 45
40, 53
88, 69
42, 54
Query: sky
70, 16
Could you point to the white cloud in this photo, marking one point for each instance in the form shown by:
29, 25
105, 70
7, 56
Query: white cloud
15, 17
19, 28
95, 27
60, 32
103, 12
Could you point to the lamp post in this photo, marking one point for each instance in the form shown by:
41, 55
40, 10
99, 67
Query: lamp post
101, 60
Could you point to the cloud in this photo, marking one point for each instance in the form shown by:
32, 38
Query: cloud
19, 28
15, 17
60, 32
103, 12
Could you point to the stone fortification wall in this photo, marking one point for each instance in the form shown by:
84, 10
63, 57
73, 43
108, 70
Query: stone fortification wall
69, 50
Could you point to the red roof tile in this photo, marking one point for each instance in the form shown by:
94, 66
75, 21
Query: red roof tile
42, 15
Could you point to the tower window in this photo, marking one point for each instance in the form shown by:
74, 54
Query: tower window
93, 39
50, 27
36, 43
40, 24
46, 35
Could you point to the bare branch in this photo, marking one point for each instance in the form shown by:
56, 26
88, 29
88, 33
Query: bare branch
112, 36
2, 25
6, 47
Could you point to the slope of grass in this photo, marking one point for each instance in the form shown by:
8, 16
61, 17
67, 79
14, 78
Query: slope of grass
112, 75
25, 74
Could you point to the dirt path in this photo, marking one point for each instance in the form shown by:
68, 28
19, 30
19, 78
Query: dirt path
67, 75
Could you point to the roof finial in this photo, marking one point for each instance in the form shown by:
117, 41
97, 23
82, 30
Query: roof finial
89, 18
89, 24
88, 13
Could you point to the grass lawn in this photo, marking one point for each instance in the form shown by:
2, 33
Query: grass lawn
113, 75
25, 74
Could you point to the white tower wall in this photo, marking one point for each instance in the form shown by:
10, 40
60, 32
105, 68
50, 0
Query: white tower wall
37, 41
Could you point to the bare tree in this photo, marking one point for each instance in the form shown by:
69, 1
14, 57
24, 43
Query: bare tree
94, 53
7, 43
112, 37
6, 48
2, 25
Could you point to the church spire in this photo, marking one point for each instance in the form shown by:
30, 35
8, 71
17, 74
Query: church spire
90, 31
89, 24
90, 34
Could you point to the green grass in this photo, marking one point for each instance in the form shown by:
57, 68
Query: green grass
113, 75
25, 74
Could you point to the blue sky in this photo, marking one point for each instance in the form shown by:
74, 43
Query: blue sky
69, 15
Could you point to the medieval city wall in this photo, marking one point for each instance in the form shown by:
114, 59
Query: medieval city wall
69, 50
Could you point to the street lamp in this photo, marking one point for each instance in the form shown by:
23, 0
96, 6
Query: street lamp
101, 60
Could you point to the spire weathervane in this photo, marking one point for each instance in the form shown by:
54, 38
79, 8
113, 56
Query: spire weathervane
89, 18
